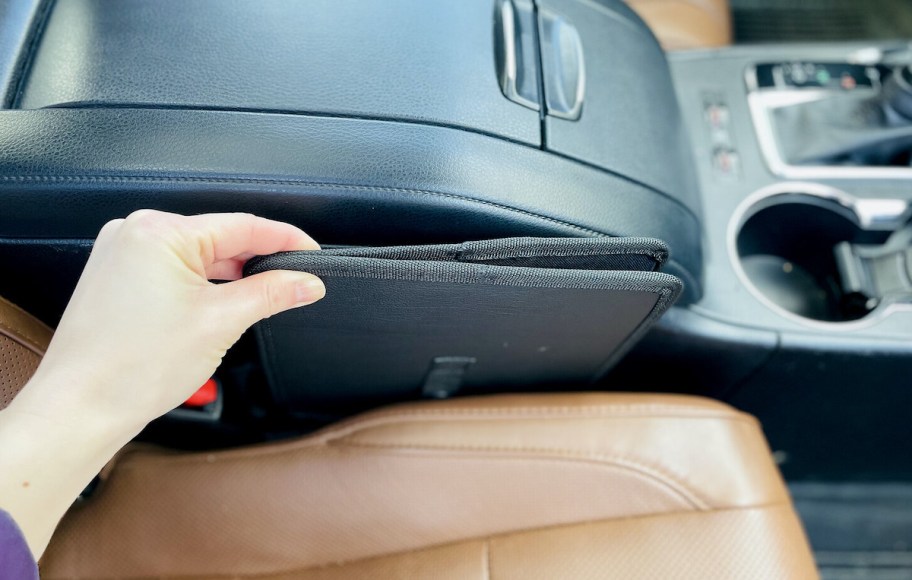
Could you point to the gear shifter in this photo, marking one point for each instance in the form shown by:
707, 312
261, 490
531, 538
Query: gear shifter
852, 123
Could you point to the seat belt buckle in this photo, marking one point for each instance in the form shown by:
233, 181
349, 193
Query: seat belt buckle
203, 405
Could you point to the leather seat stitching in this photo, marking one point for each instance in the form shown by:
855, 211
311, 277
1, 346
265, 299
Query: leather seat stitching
612, 407
21, 336
7, 308
334, 433
348, 429
342, 429
694, 498
646, 412
665, 479
316, 185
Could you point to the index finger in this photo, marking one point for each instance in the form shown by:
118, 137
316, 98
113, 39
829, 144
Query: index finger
240, 234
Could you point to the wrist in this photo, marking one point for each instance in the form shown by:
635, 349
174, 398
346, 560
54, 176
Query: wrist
50, 453
54, 404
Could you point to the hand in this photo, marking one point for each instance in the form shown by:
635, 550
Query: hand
143, 330
145, 327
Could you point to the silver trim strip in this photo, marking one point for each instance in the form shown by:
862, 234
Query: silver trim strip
510, 71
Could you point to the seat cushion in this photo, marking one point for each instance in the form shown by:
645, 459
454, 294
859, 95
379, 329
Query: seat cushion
687, 24
23, 340
544, 486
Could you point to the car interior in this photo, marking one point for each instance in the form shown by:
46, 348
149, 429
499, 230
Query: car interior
614, 289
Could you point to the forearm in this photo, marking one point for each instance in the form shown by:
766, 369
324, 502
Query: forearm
144, 308
49, 455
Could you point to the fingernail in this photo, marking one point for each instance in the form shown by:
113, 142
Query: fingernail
309, 291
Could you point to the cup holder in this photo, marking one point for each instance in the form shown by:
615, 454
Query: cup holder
786, 248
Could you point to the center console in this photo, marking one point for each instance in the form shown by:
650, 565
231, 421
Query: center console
775, 231
805, 182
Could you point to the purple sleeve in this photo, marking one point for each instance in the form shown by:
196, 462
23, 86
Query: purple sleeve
16, 561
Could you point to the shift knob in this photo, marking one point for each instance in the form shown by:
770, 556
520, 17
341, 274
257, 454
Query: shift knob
898, 91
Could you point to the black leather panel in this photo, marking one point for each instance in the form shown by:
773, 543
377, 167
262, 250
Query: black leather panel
63, 173
18, 22
420, 60
631, 121
39, 275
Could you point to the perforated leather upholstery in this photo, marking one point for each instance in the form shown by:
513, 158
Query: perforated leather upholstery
518, 486
549, 486
23, 340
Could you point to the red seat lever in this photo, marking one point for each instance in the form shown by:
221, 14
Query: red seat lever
205, 395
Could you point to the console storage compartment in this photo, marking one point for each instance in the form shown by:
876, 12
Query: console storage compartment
399, 323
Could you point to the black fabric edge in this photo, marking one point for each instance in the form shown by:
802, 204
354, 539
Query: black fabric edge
666, 300
557, 247
469, 252
322, 265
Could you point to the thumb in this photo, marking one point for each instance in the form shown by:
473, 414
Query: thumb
246, 301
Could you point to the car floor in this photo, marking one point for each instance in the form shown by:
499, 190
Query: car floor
858, 530
757, 21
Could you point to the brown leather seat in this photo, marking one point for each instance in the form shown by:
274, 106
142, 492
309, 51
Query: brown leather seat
686, 24
23, 341
519, 486
548, 486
